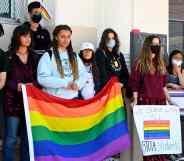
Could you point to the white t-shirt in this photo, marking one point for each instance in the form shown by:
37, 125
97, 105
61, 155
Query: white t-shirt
88, 90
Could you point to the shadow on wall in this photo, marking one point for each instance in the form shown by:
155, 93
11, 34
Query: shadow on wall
80, 34
5, 40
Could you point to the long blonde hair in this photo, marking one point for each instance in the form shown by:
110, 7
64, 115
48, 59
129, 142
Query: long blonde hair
144, 62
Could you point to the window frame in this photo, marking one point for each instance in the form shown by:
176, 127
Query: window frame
12, 20
177, 20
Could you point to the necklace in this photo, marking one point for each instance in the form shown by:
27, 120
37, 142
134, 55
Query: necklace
115, 63
89, 68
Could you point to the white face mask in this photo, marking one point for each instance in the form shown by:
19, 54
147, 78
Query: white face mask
176, 62
111, 43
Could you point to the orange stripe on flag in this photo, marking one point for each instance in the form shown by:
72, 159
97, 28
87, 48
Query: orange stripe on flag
45, 13
156, 122
54, 109
156, 125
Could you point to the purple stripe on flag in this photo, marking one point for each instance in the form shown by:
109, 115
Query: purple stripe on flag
113, 148
176, 94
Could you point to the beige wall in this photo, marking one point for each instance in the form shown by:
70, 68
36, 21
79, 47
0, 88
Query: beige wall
81, 15
76, 13
95, 15
90, 17
122, 15
81, 34
151, 16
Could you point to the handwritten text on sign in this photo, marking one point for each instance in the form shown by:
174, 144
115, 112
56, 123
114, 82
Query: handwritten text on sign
159, 129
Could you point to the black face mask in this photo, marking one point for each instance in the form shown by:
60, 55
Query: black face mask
155, 49
36, 18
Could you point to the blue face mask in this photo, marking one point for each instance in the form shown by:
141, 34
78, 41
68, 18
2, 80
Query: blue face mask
111, 43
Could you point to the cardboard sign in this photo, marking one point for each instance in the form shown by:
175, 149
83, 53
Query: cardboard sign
159, 129
177, 97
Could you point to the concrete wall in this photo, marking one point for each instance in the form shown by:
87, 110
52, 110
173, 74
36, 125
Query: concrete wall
123, 16
151, 16
89, 19
81, 15
5, 40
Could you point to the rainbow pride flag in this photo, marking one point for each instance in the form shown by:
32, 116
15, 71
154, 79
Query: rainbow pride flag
156, 129
76, 130
45, 13
44, 9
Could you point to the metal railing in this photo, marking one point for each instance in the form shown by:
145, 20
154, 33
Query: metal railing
15, 10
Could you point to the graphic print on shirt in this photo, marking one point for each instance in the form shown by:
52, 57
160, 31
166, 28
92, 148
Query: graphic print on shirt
67, 68
115, 64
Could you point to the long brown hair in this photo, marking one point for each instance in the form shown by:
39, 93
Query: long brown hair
17, 33
104, 40
71, 54
144, 62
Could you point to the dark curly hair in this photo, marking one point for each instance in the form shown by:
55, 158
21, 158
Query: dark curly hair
104, 40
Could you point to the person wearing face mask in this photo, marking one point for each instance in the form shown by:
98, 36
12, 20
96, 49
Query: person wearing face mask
176, 70
176, 81
92, 85
41, 40
148, 82
110, 60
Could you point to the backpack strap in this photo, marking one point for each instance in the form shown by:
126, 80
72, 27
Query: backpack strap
50, 53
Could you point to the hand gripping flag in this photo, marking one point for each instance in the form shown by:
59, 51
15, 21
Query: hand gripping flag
76, 130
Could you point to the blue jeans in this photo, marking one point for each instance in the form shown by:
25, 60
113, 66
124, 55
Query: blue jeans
10, 139
1, 121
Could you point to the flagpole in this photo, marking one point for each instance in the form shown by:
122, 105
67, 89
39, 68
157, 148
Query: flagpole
28, 124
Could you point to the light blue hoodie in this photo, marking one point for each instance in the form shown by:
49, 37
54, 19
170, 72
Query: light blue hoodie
50, 79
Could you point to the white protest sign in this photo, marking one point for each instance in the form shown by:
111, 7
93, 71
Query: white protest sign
159, 129
177, 97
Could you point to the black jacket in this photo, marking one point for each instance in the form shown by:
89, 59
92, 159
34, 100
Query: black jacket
40, 39
107, 67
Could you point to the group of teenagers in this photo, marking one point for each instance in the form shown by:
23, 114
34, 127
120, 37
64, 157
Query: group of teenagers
53, 66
